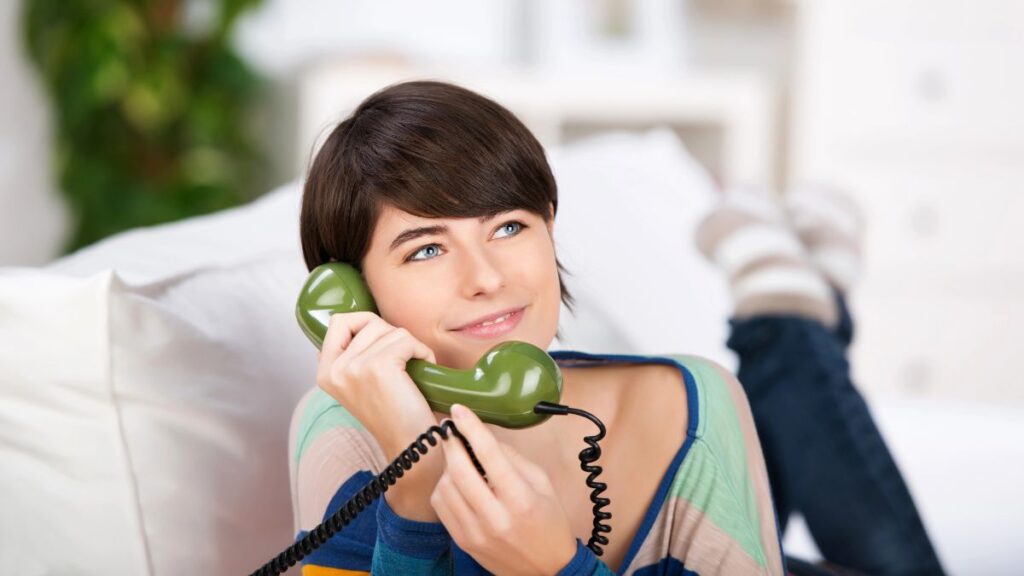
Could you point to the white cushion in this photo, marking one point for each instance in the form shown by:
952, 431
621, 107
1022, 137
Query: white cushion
66, 482
628, 208
148, 380
267, 226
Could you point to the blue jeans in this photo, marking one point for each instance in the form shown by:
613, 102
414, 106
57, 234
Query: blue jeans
826, 458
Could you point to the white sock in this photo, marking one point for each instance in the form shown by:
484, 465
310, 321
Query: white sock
769, 269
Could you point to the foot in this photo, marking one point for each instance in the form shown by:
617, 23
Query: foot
769, 269
830, 225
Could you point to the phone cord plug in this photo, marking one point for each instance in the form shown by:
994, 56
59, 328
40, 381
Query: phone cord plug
588, 455
365, 497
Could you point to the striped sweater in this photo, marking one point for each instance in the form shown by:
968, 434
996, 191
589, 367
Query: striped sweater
712, 512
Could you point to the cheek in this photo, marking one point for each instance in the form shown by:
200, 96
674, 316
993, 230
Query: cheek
408, 309
549, 294
418, 313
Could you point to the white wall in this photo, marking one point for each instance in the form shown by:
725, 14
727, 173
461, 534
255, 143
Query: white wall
286, 34
914, 105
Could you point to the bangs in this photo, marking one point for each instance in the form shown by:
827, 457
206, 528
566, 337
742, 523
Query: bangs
453, 159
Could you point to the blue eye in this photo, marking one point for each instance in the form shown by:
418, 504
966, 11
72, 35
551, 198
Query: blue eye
412, 257
517, 227
514, 223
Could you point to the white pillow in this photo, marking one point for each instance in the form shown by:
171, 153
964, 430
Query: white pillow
148, 383
628, 208
148, 380
68, 492
269, 225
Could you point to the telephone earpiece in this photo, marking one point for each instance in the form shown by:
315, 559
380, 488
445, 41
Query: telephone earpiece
502, 388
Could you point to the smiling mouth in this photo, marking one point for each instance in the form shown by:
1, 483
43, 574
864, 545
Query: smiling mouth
495, 321
495, 327
492, 321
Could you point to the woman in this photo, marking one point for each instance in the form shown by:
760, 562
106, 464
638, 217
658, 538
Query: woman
445, 203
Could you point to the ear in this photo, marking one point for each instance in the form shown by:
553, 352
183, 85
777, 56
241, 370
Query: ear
551, 219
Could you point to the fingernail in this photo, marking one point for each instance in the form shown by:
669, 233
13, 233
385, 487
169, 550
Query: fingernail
457, 410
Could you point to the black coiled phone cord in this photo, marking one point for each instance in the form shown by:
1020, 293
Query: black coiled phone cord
404, 461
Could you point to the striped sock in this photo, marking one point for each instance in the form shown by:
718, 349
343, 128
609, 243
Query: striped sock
830, 225
768, 268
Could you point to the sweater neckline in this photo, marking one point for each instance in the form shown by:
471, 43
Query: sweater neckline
569, 357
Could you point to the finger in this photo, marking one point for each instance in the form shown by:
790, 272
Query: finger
504, 479
445, 515
401, 343
457, 509
372, 331
471, 485
340, 331
366, 336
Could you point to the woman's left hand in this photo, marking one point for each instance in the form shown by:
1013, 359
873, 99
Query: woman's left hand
511, 523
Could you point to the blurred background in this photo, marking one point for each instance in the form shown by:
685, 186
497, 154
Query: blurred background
121, 114
139, 113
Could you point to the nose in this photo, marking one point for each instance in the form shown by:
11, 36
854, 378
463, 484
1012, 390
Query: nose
481, 274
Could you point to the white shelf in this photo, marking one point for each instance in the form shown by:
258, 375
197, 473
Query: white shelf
738, 108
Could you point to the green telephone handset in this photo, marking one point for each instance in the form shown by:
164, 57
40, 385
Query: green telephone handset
502, 388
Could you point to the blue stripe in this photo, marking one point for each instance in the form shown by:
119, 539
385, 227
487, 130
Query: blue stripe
425, 540
351, 547
395, 562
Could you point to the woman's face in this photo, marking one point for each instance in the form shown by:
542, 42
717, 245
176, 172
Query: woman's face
433, 282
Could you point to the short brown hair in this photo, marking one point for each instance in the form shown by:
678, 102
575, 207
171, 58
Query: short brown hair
429, 148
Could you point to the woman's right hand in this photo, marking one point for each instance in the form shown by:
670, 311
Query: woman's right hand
362, 366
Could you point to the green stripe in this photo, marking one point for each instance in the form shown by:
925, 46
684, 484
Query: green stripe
714, 475
322, 413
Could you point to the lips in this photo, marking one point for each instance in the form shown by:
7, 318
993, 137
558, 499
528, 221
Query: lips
489, 317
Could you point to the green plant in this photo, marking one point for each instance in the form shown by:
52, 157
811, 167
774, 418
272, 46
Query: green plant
153, 114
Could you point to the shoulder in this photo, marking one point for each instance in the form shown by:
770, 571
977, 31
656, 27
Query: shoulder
328, 449
707, 370
726, 460
323, 434
318, 415
721, 400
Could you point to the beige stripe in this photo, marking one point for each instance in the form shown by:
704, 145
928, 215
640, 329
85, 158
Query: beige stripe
795, 304
771, 262
805, 281
685, 533
293, 431
330, 460
816, 236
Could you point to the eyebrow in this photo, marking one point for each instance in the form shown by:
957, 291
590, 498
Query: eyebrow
414, 233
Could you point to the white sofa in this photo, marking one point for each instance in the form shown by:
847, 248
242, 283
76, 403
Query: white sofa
146, 382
